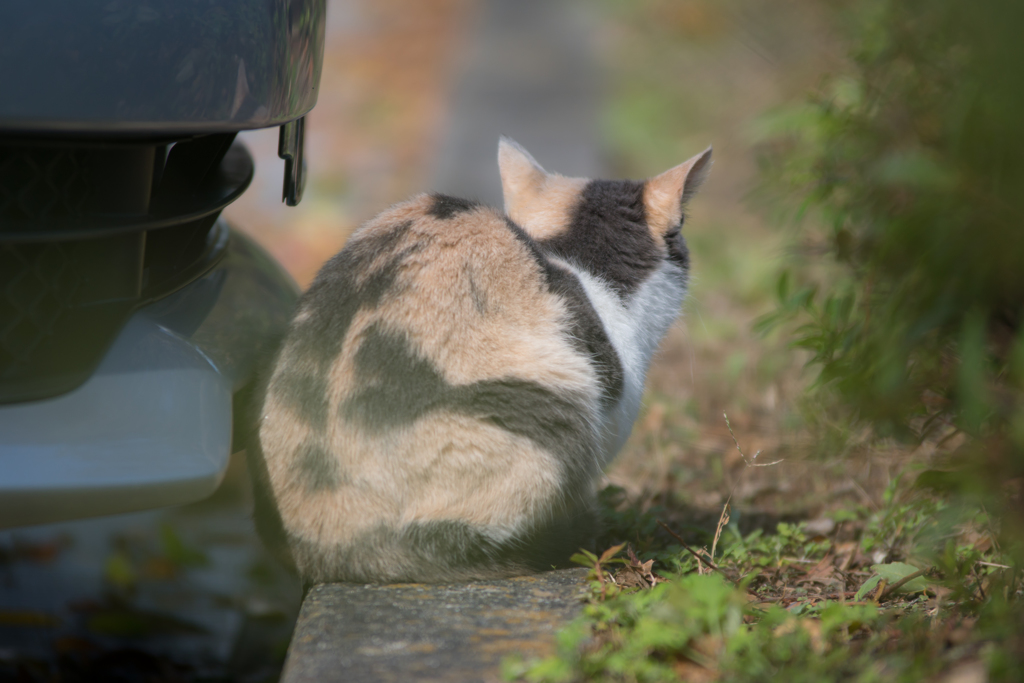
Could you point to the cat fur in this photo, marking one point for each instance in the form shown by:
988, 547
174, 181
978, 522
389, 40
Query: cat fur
455, 379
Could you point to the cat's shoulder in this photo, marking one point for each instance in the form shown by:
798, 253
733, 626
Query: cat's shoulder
430, 217
430, 234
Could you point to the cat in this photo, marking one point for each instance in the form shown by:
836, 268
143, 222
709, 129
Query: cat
455, 379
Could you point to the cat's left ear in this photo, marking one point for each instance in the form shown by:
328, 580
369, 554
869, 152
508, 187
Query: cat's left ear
665, 195
522, 178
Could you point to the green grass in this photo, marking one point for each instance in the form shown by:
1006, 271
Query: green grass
796, 606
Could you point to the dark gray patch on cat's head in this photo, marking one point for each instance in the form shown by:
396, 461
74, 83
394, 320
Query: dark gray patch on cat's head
445, 206
608, 235
316, 469
678, 252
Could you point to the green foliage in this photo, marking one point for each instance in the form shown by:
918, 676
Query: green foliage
907, 175
906, 517
892, 574
619, 521
703, 623
944, 597
757, 550
119, 571
178, 552
639, 634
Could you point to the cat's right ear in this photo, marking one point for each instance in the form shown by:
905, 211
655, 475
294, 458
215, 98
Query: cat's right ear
665, 195
522, 178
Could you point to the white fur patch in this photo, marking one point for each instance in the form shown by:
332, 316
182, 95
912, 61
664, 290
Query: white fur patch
635, 327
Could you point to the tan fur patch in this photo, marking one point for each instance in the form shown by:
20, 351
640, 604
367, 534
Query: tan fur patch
661, 200
491, 466
665, 194
521, 176
539, 202
517, 335
547, 212
444, 467
281, 433
505, 314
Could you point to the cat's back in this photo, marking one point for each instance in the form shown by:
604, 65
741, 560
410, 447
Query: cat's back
455, 378
464, 290
430, 375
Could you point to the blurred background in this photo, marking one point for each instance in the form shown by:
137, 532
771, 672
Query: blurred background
413, 98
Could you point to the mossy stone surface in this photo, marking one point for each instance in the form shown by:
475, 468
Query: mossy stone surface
422, 632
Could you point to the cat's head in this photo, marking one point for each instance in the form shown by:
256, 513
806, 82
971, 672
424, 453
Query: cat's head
621, 230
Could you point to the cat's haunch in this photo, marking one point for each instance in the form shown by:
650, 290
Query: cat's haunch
455, 379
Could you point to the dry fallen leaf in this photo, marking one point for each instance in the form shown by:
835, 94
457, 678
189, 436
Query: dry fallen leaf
628, 577
823, 572
636, 573
812, 627
693, 672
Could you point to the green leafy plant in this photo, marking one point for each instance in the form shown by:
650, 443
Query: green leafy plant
794, 606
905, 174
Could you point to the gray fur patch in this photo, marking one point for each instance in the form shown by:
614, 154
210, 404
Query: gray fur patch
608, 235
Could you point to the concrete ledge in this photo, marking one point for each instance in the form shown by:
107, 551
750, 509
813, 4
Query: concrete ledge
421, 632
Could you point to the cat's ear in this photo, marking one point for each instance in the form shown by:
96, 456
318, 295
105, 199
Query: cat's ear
666, 194
521, 176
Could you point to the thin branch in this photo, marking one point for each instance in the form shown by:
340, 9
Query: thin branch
691, 550
893, 587
751, 461
977, 582
811, 598
880, 592
864, 494
723, 519
600, 577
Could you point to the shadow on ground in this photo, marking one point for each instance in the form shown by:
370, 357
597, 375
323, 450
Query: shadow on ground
183, 594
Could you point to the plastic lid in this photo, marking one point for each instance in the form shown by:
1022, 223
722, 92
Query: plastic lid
158, 67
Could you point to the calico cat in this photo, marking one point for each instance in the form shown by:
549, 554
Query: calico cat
455, 379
